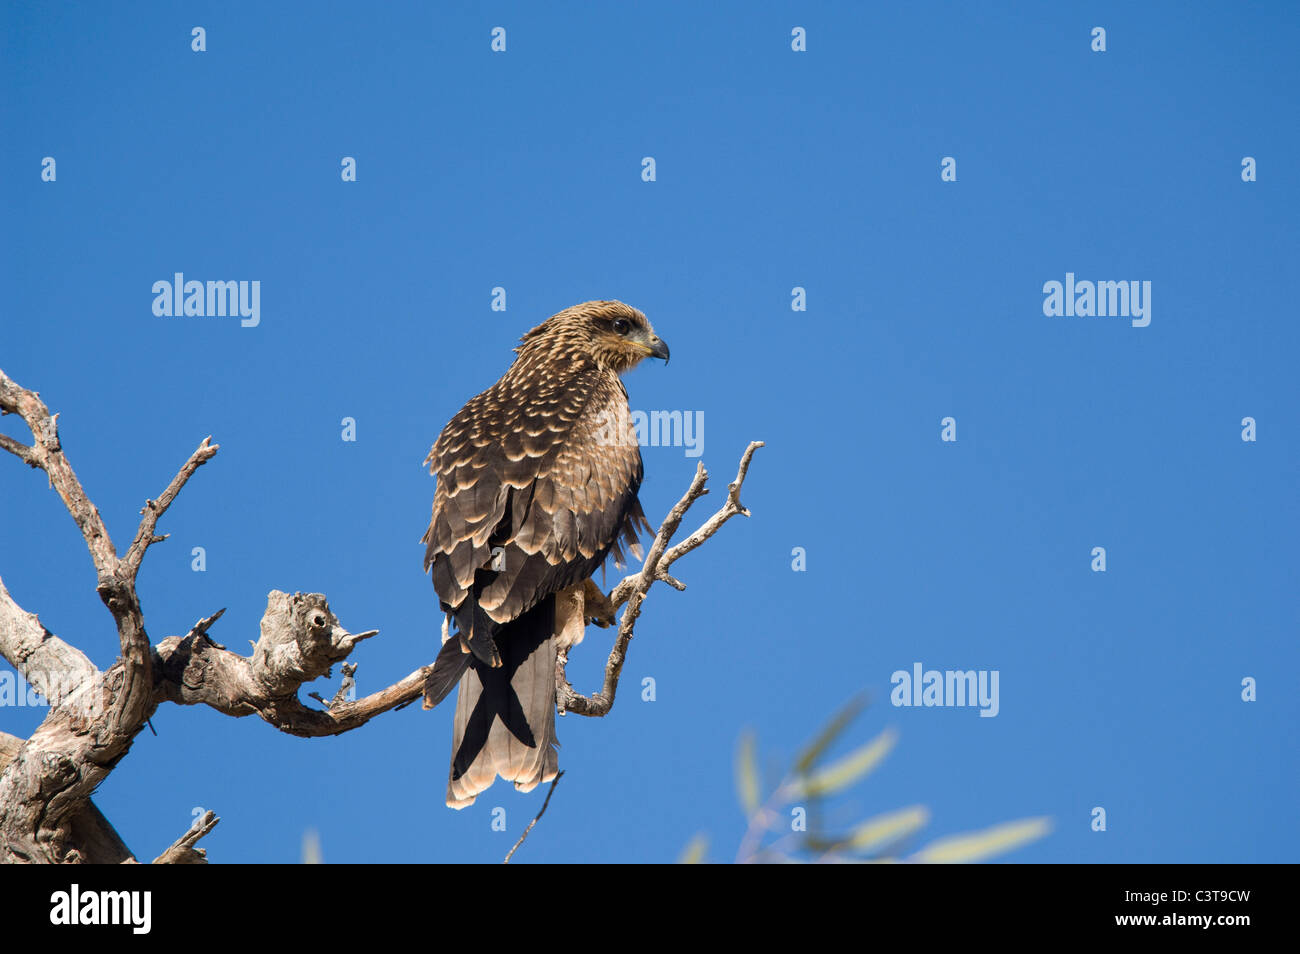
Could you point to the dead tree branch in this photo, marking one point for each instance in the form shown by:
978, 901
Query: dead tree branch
96, 839
301, 640
53, 774
44, 660
153, 509
633, 588
94, 717
47, 454
183, 851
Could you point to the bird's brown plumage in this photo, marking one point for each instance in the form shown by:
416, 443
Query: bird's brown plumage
537, 484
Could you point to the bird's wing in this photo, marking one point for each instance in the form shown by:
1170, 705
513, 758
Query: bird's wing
543, 469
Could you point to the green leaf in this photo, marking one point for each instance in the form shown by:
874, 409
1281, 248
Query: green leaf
747, 774
311, 852
829, 733
843, 773
888, 828
875, 833
978, 845
693, 853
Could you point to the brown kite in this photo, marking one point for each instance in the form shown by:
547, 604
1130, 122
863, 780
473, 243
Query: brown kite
537, 485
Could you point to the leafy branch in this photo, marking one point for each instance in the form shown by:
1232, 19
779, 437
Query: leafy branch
811, 782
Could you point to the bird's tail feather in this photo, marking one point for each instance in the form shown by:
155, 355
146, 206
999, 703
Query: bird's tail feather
505, 716
448, 667
473, 635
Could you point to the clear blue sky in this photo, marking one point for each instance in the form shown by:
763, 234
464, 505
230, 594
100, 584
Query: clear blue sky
775, 169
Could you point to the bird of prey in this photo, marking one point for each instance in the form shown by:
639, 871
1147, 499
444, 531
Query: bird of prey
537, 485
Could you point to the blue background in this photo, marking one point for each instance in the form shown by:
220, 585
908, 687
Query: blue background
775, 169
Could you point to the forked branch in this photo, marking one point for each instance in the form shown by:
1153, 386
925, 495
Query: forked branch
633, 588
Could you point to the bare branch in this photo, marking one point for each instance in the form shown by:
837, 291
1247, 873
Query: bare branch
54, 667
18, 449
46, 784
511, 853
301, 640
183, 852
341, 696
47, 454
153, 509
51, 776
633, 588
732, 507
50, 780
73, 750
129, 696
97, 841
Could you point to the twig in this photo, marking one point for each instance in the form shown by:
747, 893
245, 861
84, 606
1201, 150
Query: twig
18, 449
47, 453
632, 589
348, 682
512, 851
153, 509
761, 822
183, 851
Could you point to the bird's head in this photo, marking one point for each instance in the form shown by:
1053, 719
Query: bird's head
616, 336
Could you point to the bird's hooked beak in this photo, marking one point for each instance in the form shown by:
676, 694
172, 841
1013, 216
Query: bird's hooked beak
655, 347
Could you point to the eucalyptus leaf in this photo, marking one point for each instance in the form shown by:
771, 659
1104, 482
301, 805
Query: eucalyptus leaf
841, 774
979, 845
747, 784
829, 733
693, 853
888, 828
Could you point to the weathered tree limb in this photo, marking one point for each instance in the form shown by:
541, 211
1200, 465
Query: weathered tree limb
55, 669
50, 779
44, 660
47, 454
92, 833
153, 509
18, 449
183, 852
633, 588
301, 639
73, 750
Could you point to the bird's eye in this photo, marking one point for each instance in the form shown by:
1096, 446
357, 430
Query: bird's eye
621, 326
